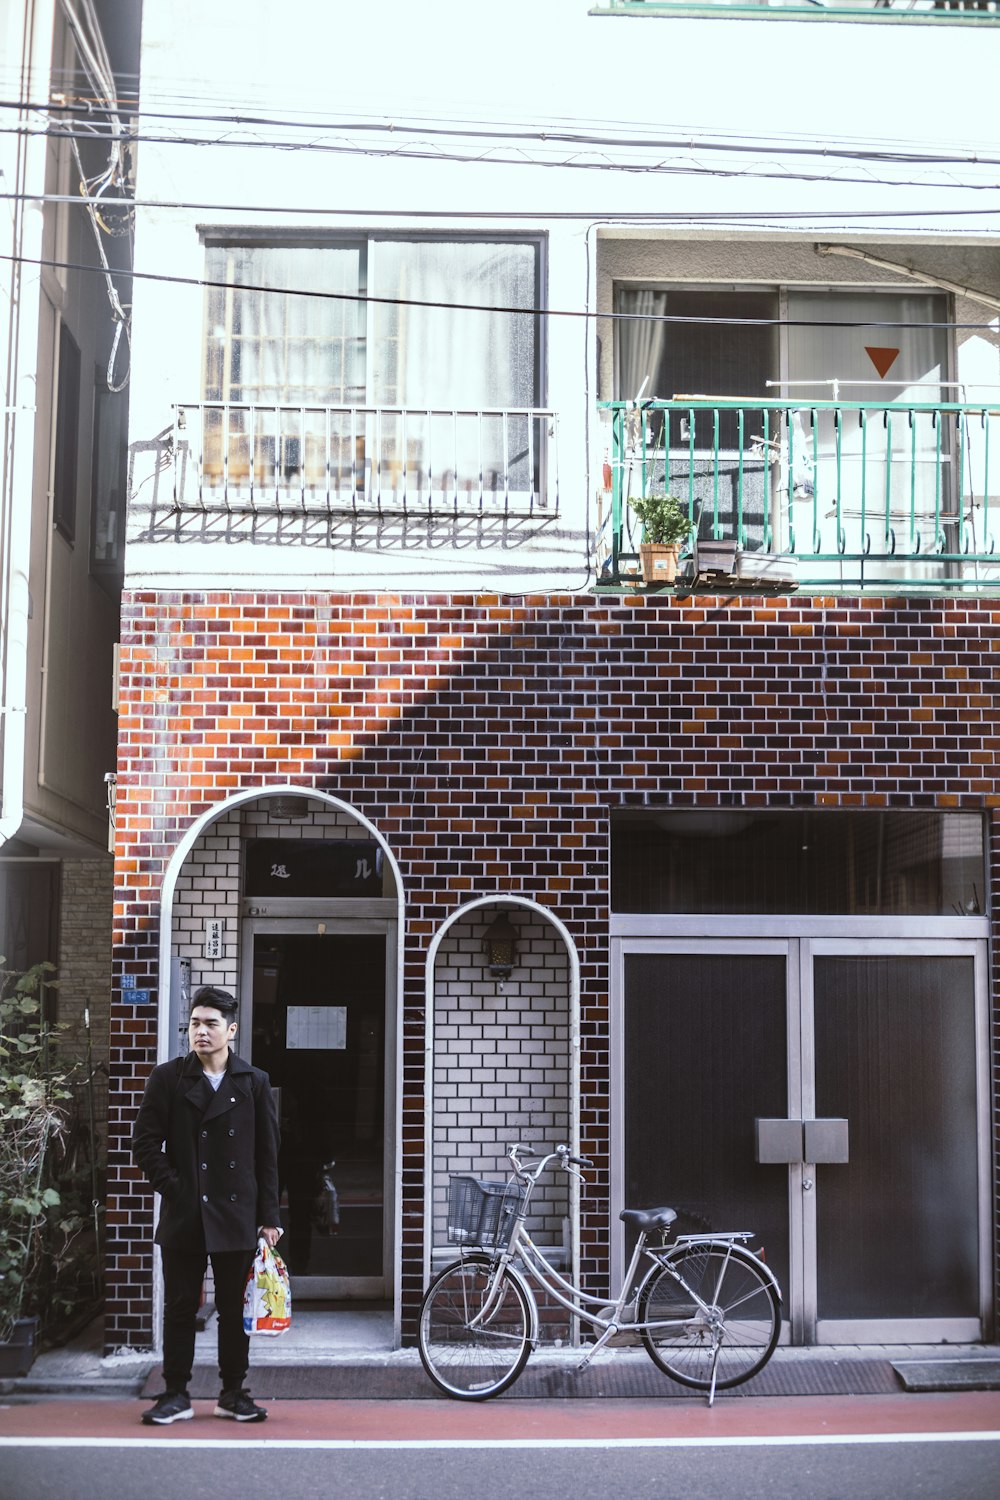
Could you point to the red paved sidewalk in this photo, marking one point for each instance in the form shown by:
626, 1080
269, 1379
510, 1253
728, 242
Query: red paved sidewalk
403, 1421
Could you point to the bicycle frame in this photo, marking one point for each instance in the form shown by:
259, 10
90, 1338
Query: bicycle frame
705, 1318
611, 1319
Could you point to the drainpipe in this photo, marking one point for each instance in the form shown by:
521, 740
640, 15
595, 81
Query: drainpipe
986, 298
19, 398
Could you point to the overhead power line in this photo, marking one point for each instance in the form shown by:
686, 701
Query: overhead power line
366, 298
772, 219
494, 156
626, 134
659, 169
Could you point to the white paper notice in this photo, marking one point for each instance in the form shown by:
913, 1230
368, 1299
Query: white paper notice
317, 1026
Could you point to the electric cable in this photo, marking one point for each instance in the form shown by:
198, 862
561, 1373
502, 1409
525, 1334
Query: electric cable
773, 219
365, 298
624, 135
496, 157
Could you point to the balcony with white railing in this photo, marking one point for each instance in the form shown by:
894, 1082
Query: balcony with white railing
240, 459
932, 11
819, 495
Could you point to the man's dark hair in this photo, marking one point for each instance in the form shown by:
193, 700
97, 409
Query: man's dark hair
220, 1000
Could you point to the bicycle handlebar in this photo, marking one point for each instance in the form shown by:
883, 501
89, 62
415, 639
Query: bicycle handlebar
561, 1154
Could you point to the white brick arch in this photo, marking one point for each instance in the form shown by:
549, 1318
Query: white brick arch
502, 1059
212, 842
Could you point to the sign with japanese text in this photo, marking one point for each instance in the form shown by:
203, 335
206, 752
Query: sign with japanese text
313, 867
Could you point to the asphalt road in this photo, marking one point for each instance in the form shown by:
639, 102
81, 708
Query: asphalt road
861, 1471
878, 1448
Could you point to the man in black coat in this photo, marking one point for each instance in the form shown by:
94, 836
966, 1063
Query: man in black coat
206, 1137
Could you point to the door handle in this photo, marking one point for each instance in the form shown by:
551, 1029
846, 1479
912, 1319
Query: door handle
787, 1141
826, 1141
778, 1141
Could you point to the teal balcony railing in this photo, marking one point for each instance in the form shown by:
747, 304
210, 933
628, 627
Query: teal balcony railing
975, 11
824, 495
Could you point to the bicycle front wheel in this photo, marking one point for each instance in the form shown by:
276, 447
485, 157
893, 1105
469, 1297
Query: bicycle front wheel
475, 1332
733, 1335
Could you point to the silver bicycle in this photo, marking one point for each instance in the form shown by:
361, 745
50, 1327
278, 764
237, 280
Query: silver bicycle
707, 1310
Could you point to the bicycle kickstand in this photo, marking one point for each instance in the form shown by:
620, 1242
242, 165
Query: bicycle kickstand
715, 1368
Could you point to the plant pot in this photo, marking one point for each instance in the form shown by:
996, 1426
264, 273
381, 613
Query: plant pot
659, 563
17, 1354
715, 558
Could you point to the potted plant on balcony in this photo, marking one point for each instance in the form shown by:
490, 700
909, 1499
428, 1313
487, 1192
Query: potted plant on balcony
31, 1123
665, 524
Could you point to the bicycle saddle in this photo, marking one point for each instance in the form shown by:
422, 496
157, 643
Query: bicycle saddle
646, 1219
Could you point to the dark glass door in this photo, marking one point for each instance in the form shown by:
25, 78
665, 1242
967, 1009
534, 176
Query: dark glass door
706, 1053
319, 1031
870, 1052
897, 1225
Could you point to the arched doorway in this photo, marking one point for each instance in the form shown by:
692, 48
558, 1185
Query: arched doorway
502, 1063
292, 900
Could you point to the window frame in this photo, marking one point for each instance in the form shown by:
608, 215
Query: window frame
781, 290
66, 439
108, 572
255, 237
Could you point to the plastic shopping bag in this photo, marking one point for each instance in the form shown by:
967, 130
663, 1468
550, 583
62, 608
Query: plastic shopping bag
267, 1300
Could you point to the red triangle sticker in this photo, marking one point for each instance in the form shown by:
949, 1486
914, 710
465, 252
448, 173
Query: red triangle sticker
882, 359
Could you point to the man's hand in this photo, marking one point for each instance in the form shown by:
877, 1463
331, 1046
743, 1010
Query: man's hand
271, 1235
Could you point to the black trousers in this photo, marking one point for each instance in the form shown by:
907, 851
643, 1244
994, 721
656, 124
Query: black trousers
183, 1274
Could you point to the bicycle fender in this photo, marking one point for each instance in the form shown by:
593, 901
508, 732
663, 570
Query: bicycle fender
515, 1275
726, 1241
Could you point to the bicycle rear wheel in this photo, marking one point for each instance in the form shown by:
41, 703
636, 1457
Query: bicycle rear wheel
742, 1321
472, 1359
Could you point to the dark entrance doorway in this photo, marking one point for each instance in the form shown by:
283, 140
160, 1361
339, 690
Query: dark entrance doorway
319, 1029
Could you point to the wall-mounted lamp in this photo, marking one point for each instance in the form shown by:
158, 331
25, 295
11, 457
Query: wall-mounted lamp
288, 809
500, 944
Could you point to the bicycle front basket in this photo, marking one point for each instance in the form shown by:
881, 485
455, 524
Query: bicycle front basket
482, 1213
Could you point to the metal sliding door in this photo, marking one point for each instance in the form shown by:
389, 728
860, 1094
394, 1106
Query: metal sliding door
893, 1045
831, 1096
709, 1043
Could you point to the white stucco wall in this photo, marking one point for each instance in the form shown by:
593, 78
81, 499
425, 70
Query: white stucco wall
767, 89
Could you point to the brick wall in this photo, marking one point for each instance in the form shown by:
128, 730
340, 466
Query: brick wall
487, 739
84, 961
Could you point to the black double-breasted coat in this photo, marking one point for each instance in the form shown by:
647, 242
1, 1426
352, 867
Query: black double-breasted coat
212, 1155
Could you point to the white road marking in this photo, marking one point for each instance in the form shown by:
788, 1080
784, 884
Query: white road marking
822, 1439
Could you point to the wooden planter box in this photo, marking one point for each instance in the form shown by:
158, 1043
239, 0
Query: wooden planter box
659, 563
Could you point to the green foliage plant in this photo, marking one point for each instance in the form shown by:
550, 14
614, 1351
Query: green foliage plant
665, 520
33, 1092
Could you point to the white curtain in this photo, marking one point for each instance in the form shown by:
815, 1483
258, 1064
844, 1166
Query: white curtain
279, 346
448, 356
890, 447
640, 342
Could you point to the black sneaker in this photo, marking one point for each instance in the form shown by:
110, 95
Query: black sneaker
172, 1406
238, 1406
